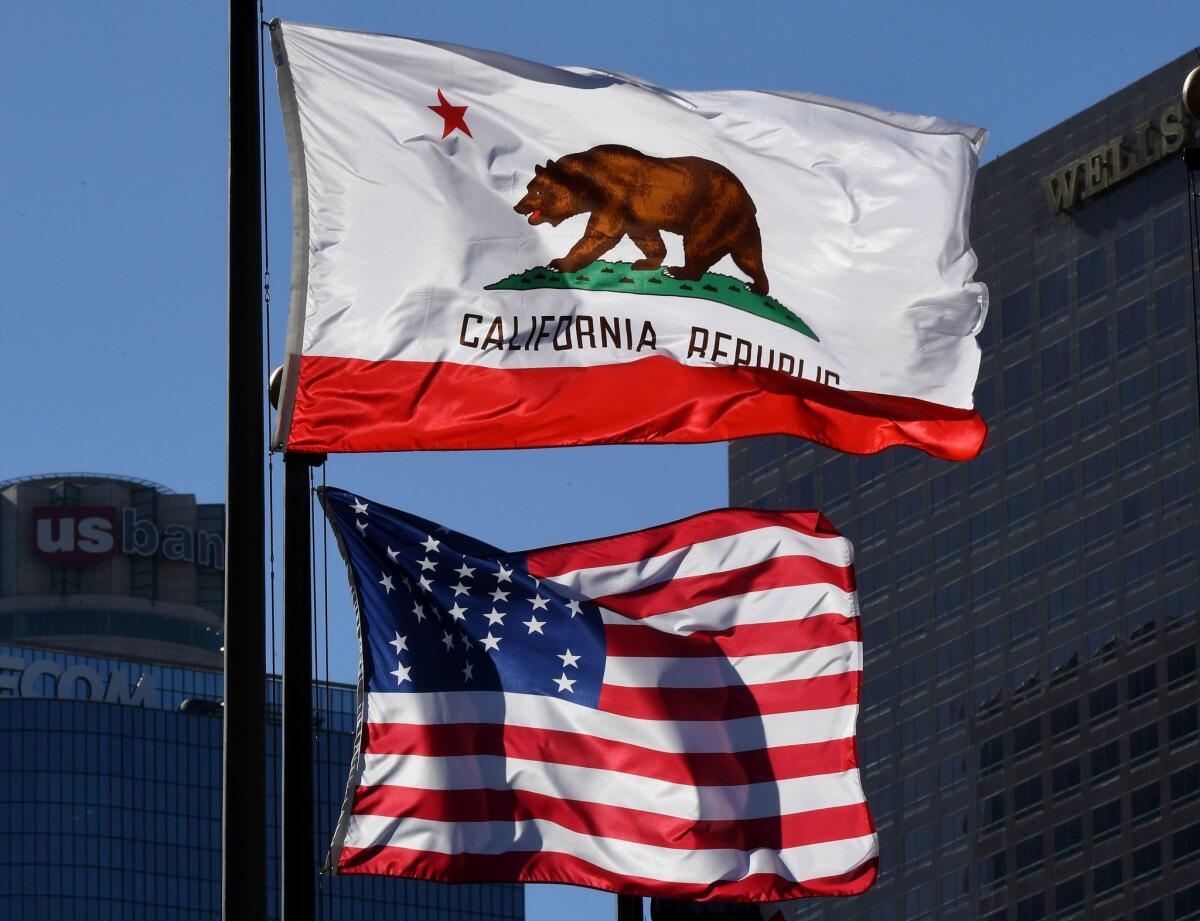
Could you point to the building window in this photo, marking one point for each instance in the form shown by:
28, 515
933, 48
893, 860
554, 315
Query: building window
1175, 430
956, 889
1181, 726
1060, 547
949, 659
1024, 623
1020, 450
1130, 252
985, 397
917, 845
1147, 862
1091, 275
988, 697
1095, 412
1181, 667
1144, 804
1056, 368
914, 732
1016, 313
991, 812
911, 621
1058, 432
1180, 607
1139, 566
1171, 307
1018, 386
1030, 854
1027, 796
1137, 450
1093, 347
991, 755
949, 601
1139, 625
1022, 507
1106, 820
1185, 785
1151, 912
1106, 761
1135, 391
1100, 587
1185, 845
1169, 235
1133, 326
1023, 563
986, 583
948, 545
1064, 720
1027, 738
1053, 295
1068, 837
1107, 878
835, 480
1032, 908
951, 715
1068, 895
1143, 744
1136, 508
1103, 703
984, 469
1064, 662
918, 902
914, 677
909, 507
1174, 373
1142, 684
1065, 778
992, 870
872, 469
1096, 471
952, 772
1058, 489
1062, 605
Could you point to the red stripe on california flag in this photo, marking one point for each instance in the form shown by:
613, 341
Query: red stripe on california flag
641, 545
732, 703
744, 640
351, 404
689, 591
553, 867
615, 823
762, 765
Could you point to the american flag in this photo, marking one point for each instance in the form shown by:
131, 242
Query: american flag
669, 712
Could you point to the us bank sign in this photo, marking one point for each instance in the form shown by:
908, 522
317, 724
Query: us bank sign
47, 678
1116, 160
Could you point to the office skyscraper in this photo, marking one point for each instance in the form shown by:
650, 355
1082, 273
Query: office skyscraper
1028, 732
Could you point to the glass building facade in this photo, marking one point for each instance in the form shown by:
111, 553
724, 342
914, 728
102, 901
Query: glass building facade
1028, 731
111, 811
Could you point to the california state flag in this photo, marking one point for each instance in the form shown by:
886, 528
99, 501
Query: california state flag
493, 253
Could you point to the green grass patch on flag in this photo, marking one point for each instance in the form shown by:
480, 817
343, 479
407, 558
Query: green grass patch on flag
622, 276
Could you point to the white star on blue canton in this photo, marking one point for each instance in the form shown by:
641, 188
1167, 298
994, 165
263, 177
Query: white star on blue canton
461, 589
573, 607
425, 583
400, 642
419, 610
535, 625
498, 595
401, 673
427, 563
448, 639
494, 616
504, 575
392, 554
539, 603
491, 642
431, 545
569, 660
360, 507
465, 571
361, 525
386, 582
458, 612
468, 671
565, 684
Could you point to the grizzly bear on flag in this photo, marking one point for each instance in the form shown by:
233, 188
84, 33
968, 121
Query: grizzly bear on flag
631, 194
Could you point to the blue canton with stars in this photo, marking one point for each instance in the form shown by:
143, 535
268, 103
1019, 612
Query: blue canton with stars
441, 611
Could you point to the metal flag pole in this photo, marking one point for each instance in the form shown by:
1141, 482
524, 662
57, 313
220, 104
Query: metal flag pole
297, 863
629, 908
243, 763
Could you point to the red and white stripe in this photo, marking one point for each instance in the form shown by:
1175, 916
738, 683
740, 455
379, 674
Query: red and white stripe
720, 762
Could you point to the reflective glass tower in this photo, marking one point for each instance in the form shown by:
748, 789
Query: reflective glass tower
110, 786
1028, 731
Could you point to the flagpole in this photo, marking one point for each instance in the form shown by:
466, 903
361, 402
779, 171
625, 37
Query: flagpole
243, 765
297, 863
629, 908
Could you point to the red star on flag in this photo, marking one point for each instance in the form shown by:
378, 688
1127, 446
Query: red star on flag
453, 116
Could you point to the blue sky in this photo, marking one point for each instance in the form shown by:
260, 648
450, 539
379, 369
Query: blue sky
113, 242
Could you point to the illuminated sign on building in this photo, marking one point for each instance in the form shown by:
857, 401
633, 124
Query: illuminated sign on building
75, 682
83, 535
1116, 160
